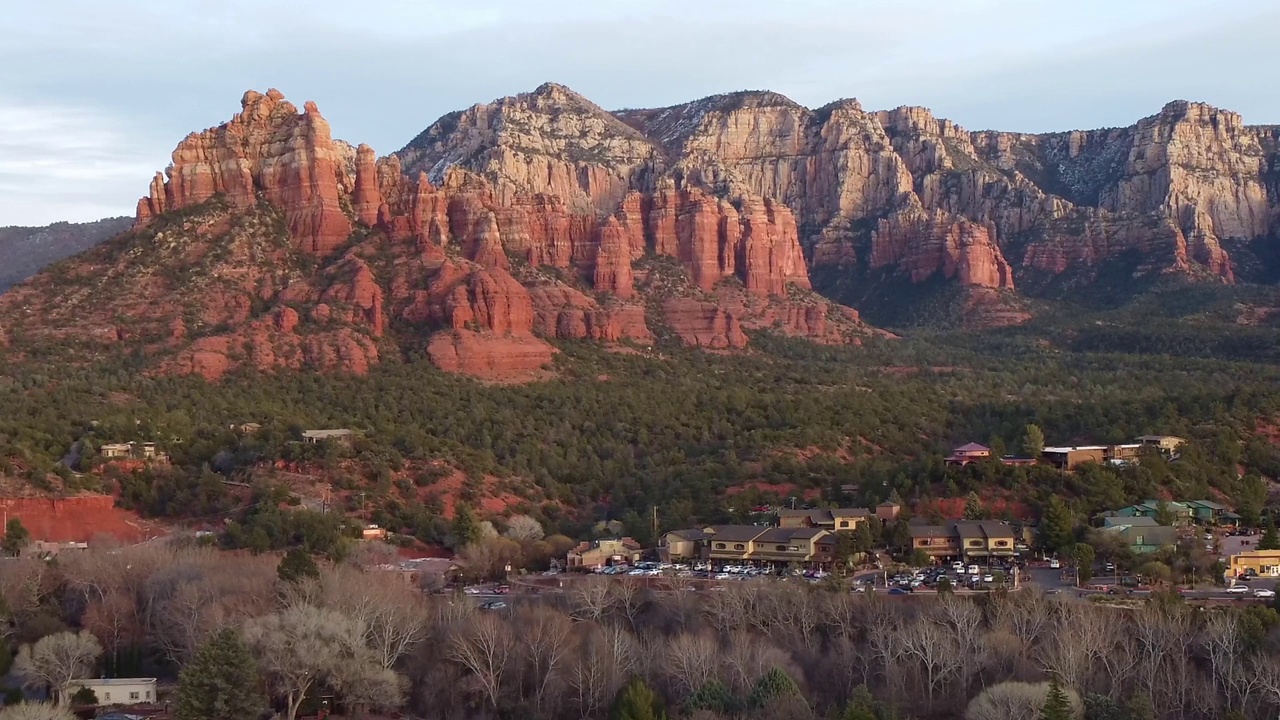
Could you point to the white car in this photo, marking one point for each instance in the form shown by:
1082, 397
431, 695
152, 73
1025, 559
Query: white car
988, 578
974, 570
1263, 592
722, 576
1238, 589
1055, 563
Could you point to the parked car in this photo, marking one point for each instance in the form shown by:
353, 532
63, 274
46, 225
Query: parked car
974, 570
898, 591
1264, 593
1055, 563
989, 578
1238, 589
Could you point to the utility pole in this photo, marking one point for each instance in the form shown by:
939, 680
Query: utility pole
655, 524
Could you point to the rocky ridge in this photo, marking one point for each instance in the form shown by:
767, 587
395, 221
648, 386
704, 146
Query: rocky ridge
268, 244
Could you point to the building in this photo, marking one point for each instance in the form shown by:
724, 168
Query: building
968, 540
680, 545
341, 435
1208, 512
117, 691
1017, 460
778, 545
825, 518
936, 541
1070, 458
985, 538
1122, 454
968, 453
603, 553
1254, 562
116, 451
248, 428
1168, 444
424, 572
888, 510
373, 532
1179, 512
1141, 534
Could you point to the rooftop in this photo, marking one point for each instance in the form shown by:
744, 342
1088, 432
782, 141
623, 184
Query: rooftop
321, 434
111, 681
737, 533
972, 447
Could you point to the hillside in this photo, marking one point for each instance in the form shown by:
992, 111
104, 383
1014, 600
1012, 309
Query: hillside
24, 251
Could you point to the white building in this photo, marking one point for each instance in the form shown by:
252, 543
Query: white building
117, 691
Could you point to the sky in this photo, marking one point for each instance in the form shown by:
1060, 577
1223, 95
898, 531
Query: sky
96, 93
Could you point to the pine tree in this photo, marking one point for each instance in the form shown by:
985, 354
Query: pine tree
221, 682
16, 537
973, 507
1056, 704
773, 684
1139, 707
713, 696
1057, 526
861, 705
296, 566
1033, 441
1270, 539
637, 701
466, 530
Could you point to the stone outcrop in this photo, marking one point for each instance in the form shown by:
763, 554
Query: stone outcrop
267, 150
922, 244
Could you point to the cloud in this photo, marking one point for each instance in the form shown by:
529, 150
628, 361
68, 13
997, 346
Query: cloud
125, 81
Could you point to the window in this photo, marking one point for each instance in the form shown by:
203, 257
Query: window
794, 548
1002, 543
1138, 540
721, 546
975, 543
780, 548
739, 546
134, 696
148, 694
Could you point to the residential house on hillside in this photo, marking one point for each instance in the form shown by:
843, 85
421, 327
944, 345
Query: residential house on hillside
1167, 444
1208, 512
116, 691
602, 553
340, 435
146, 451
968, 453
1179, 512
1141, 534
825, 518
888, 510
1073, 456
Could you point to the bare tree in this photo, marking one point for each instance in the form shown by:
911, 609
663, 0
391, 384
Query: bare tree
590, 598
1015, 701
36, 711
55, 660
391, 612
545, 640
748, 656
933, 648
691, 662
484, 647
606, 657
523, 528
302, 645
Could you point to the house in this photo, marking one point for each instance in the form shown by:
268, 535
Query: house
602, 553
985, 538
1141, 534
936, 541
248, 428
682, 545
888, 510
968, 453
1180, 512
966, 539
1208, 512
1122, 454
373, 532
116, 691
342, 435
825, 518
787, 545
424, 572
1167, 444
114, 451
1070, 458
1017, 460
1254, 562
733, 542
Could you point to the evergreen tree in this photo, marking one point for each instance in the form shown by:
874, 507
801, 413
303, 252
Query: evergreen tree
1056, 704
1270, 539
1101, 707
1139, 707
1057, 525
296, 566
1164, 513
1033, 441
1084, 556
772, 685
861, 706
221, 682
16, 537
715, 697
637, 701
973, 509
466, 530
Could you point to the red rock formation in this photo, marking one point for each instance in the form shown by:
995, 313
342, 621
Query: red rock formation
771, 256
563, 312
366, 199
704, 324
613, 261
488, 356
921, 244
269, 148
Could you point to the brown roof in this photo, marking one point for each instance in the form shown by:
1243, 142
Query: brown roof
996, 529
972, 447
919, 531
888, 503
970, 530
737, 533
804, 533
775, 535
850, 512
692, 534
